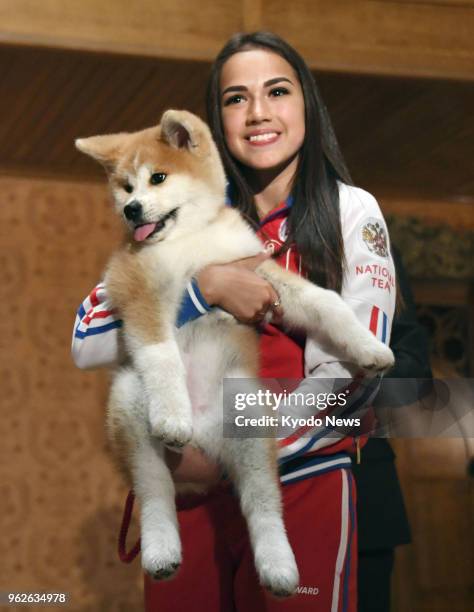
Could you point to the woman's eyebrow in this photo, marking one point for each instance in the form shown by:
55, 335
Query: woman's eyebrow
276, 80
268, 83
234, 88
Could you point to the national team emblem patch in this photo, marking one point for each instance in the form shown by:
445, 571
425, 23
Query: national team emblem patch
374, 236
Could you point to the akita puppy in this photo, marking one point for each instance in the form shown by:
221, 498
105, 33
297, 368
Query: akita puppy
168, 185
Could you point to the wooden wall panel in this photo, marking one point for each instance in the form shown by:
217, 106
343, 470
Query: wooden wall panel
61, 497
434, 573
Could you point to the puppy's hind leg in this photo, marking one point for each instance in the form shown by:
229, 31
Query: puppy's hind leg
251, 464
143, 459
324, 315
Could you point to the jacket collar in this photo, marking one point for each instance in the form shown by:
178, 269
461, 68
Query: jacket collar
280, 211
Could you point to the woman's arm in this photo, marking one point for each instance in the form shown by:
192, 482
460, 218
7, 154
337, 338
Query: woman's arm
96, 336
369, 289
233, 287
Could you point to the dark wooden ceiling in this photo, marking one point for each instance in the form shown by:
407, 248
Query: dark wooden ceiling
402, 136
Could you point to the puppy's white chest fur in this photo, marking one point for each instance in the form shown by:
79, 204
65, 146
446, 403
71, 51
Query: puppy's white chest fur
227, 238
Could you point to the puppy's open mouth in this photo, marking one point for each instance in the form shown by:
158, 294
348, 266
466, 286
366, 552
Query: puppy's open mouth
147, 230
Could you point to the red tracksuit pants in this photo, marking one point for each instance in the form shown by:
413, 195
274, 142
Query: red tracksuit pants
218, 573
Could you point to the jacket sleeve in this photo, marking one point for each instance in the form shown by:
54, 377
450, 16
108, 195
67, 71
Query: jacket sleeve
96, 338
369, 289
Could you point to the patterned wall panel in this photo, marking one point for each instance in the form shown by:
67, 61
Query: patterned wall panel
61, 497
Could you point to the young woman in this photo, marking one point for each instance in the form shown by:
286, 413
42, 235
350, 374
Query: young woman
286, 174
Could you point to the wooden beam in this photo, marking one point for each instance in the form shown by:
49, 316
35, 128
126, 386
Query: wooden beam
392, 37
164, 28
395, 37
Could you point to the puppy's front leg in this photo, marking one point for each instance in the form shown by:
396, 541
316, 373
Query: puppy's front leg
149, 337
164, 378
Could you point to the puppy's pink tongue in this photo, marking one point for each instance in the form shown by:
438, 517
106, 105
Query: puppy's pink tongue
142, 232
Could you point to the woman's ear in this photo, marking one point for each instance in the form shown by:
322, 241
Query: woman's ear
183, 130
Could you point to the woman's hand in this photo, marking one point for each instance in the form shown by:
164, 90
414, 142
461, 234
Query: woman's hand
236, 287
192, 466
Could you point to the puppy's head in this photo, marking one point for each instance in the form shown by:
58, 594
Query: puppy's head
166, 180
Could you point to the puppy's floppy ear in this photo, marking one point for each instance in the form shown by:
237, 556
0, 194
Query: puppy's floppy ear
183, 130
104, 149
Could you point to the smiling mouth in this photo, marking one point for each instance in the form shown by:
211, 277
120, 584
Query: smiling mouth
262, 138
147, 230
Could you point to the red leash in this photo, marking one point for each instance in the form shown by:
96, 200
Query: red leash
124, 556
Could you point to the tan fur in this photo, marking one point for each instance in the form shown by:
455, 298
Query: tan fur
131, 293
246, 342
144, 147
121, 153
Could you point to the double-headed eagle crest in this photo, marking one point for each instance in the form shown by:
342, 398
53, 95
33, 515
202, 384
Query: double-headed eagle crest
375, 238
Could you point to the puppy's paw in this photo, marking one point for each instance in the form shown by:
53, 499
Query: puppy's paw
277, 569
161, 547
174, 430
376, 357
161, 564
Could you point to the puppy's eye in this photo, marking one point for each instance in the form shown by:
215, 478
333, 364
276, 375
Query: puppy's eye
128, 188
157, 178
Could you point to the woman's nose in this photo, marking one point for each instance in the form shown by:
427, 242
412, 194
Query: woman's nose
258, 111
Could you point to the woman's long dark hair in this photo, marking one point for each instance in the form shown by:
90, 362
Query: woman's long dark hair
314, 224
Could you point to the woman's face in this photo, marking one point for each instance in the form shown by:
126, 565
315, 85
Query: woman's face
262, 109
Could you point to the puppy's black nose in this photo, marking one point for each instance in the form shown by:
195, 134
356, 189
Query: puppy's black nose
133, 211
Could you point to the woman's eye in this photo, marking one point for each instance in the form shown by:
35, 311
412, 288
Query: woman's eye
279, 91
157, 178
233, 100
128, 188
